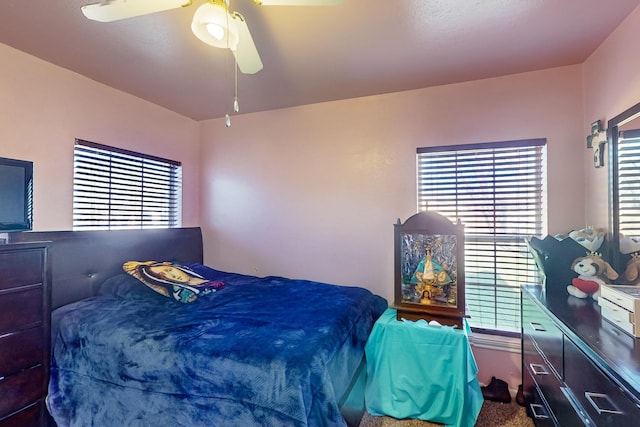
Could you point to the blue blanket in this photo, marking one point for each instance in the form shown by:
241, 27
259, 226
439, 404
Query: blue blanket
262, 351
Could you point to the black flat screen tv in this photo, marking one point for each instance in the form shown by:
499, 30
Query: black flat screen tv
16, 195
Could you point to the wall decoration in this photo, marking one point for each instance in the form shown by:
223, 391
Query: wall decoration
429, 274
597, 140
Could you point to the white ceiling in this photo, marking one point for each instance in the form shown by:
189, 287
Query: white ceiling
312, 54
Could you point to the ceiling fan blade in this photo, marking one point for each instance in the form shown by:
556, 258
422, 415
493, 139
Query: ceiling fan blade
114, 10
245, 52
298, 2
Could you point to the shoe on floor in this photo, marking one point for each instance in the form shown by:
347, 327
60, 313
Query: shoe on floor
520, 396
497, 391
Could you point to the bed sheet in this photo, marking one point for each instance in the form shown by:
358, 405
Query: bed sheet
262, 351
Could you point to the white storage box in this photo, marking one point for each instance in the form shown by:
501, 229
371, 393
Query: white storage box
620, 305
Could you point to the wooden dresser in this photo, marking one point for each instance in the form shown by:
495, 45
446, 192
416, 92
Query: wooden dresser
24, 333
577, 368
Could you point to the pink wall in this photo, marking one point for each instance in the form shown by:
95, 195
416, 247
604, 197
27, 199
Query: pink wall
505, 365
43, 108
611, 78
314, 191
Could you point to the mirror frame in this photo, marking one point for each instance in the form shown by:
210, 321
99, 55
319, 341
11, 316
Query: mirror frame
616, 259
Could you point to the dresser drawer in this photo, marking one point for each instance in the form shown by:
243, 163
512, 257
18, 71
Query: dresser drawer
31, 416
549, 386
548, 403
546, 335
528, 352
22, 309
534, 362
21, 350
20, 390
538, 410
605, 403
19, 268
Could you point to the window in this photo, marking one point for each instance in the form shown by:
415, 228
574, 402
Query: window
120, 189
628, 178
496, 190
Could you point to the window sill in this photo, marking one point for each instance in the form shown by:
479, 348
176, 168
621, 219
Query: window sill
495, 342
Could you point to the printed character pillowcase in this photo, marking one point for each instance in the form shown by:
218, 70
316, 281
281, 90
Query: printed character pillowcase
174, 281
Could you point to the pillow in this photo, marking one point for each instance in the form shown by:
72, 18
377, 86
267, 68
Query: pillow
210, 273
174, 281
124, 285
120, 285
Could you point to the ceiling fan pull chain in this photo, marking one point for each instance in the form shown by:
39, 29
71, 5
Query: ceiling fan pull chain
227, 119
236, 107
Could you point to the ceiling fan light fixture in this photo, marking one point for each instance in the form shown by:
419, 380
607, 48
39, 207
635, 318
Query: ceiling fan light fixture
217, 31
213, 25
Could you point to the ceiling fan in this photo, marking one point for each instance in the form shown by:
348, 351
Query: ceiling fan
213, 22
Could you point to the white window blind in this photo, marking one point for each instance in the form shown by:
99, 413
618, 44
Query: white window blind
121, 189
496, 190
629, 182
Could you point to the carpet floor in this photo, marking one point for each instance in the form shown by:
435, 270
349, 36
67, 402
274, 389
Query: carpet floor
492, 414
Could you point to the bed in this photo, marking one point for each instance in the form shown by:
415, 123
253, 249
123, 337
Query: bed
265, 351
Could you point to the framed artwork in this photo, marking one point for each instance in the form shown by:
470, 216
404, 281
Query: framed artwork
429, 269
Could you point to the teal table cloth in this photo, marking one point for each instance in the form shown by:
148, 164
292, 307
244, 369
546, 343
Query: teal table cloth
419, 371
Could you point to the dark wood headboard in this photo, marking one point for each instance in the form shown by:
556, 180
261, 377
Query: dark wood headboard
82, 260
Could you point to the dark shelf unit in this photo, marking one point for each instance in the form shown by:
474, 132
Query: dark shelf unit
25, 313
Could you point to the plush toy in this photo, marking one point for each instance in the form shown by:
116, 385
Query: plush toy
632, 272
629, 245
592, 271
591, 238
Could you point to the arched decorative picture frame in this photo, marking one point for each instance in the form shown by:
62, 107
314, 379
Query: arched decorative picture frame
429, 269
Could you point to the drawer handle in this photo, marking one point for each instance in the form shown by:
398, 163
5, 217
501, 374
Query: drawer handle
538, 411
594, 398
537, 327
538, 369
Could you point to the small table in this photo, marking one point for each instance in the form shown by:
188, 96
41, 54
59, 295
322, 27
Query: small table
419, 371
